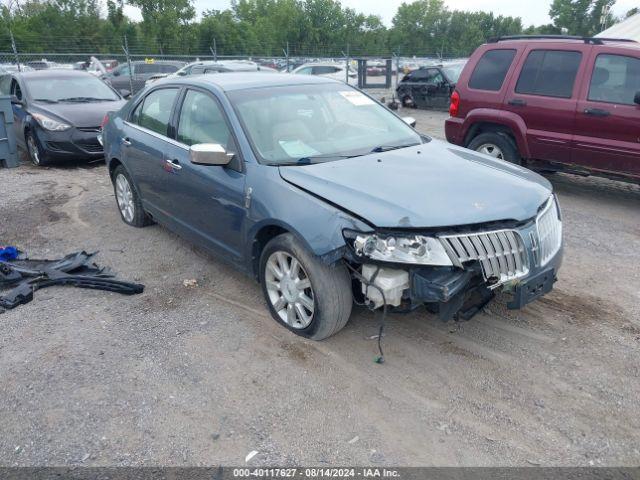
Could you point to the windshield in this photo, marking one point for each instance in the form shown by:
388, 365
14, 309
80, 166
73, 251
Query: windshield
69, 89
453, 72
320, 122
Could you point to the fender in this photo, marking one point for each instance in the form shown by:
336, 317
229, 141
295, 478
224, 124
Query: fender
510, 120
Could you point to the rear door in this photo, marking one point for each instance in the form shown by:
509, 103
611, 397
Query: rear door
207, 200
545, 96
145, 141
608, 120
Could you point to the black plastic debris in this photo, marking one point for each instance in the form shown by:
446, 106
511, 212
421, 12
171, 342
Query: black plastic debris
24, 277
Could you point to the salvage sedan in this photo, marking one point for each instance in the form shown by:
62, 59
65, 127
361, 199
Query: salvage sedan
57, 113
325, 197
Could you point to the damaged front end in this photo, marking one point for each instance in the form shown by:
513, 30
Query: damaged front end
456, 273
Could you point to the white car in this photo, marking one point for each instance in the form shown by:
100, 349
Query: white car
328, 70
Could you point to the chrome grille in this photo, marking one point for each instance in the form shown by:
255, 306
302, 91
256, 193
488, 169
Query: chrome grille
549, 229
501, 253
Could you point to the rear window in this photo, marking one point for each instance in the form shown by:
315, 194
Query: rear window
550, 73
491, 70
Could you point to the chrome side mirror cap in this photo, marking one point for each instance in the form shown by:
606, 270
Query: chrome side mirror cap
209, 154
410, 121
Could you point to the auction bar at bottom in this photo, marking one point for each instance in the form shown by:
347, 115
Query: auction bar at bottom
402, 473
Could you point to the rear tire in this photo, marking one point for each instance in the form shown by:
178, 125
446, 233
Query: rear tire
128, 200
497, 145
316, 312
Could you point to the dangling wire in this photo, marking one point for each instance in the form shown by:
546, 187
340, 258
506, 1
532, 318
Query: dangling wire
379, 359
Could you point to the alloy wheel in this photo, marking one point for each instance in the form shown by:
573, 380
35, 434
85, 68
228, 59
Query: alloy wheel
492, 150
124, 196
289, 290
34, 153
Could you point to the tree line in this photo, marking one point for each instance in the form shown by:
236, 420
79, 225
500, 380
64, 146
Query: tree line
273, 27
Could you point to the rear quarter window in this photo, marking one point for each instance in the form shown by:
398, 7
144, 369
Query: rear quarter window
492, 69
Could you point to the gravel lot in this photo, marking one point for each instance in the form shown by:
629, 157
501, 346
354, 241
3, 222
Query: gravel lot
201, 375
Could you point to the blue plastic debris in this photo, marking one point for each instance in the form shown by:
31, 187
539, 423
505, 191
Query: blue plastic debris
9, 253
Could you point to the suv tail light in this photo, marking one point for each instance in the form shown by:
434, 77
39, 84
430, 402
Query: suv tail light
454, 107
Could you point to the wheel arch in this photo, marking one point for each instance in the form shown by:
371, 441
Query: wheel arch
506, 123
265, 231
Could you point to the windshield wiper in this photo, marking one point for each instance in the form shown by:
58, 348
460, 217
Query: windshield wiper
85, 99
45, 100
386, 148
311, 159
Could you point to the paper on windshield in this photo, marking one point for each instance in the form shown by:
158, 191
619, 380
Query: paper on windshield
356, 98
297, 149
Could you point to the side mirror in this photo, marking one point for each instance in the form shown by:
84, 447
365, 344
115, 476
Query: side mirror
209, 154
16, 101
636, 99
410, 121
125, 93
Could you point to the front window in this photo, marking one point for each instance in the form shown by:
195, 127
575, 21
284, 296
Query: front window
201, 121
615, 79
313, 123
83, 88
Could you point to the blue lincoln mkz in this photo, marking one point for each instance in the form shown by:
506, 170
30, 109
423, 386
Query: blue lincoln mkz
325, 196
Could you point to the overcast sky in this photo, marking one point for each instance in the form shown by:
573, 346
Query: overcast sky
534, 12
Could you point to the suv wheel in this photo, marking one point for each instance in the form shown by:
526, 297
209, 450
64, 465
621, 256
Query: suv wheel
304, 294
496, 145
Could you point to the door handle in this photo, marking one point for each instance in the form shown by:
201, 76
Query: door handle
174, 164
516, 102
126, 142
596, 112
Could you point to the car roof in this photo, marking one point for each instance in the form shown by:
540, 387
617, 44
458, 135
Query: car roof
322, 64
567, 40
162, 62
245, 80
54, 73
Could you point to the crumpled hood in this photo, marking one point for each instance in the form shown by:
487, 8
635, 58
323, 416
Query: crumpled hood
427, 186
79, 114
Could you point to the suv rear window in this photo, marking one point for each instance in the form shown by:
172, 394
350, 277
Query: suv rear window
550, 73
491, 70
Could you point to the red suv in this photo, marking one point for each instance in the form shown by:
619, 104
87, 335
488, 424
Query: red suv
554, 103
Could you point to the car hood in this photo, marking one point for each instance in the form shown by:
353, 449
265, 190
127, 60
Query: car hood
427, 186
88, 114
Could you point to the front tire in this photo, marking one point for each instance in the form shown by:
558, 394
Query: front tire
36, 154
128, 200
496, 145
304, 294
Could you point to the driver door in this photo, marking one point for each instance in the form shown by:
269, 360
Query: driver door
608, 119
207, 200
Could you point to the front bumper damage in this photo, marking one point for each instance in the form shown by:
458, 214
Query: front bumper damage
460, 291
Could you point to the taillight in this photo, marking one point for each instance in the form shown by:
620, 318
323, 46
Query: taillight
454, 107
105, 120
